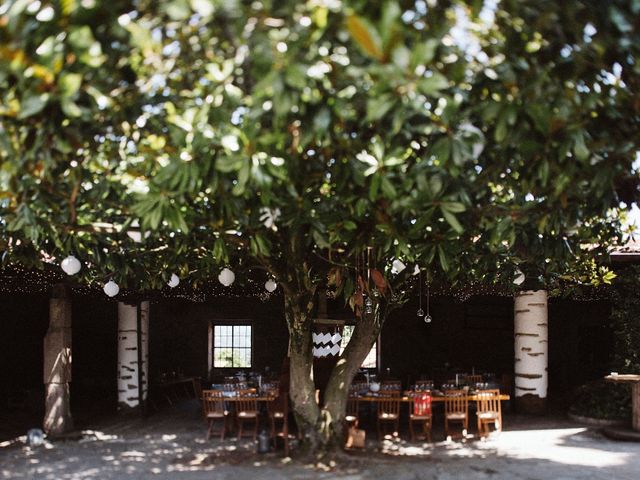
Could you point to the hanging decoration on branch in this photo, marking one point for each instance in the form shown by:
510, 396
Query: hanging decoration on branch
397, 266
270, 285
427, 317
70, 265
520, 277
325, 344
111, 288
226, 277
174, 281
420, 310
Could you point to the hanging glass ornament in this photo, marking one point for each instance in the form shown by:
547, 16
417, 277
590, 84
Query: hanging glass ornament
368, 306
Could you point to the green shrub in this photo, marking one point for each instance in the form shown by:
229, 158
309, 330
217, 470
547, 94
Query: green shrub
605, 400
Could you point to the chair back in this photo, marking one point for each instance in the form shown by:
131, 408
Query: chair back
212, 401
279, 402
352, 407
246, 401
423, 385
389, 405
422, 404
456, 401
390, 387
488, 401
473, 379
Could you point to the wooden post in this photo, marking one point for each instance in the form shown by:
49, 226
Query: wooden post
635, 406
531, 350
133, 351
57, 364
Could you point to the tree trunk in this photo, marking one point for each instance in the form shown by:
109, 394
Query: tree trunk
132, 351
322, 427
57, 364
531, 350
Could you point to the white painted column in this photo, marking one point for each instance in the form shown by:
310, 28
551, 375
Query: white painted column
129, 375
531, 331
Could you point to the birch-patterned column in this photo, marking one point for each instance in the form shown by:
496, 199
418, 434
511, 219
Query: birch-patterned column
531, 350
129, 376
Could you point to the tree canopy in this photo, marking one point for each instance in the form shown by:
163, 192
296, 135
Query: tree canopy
319, 141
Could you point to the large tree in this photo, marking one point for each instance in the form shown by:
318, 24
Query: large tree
318, 142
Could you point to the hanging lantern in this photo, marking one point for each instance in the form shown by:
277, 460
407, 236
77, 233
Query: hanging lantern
270, 285
111, 288
427, 318
368, 306
173, 281
520, 277
416, 270
397, 266
70, 265
226, 277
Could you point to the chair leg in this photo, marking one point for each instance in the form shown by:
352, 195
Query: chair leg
255, 429
224, 428
210, 425
413, 439
379, 436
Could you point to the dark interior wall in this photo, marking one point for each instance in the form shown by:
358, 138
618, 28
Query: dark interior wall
477, 334
95, 352
24, 319
179, 333
580, 343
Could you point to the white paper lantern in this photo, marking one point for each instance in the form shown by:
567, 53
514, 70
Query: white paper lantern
71, 265
173, 281
270, 285
226, 277
520, 277
397, 266
111, 288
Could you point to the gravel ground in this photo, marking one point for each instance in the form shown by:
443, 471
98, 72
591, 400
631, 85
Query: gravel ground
172, 445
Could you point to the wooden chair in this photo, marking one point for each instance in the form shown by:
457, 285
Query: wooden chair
390, 387
388, 412
420, 412
278, 413
352, 413
456, 410
423, 384
214, 409
473, 379
489, 411
246, 410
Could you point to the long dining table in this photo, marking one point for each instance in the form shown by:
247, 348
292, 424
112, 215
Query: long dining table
410, 397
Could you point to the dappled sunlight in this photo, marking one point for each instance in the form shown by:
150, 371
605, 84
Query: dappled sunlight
559, 445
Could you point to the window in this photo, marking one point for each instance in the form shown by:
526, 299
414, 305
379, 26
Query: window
372, 357
232, 346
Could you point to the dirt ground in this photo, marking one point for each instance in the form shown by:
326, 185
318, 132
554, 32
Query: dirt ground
171, 444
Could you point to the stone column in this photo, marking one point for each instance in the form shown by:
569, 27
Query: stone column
531, 350
57, 364
132, 380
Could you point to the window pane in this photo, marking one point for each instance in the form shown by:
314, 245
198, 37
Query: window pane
232, 346
371, 361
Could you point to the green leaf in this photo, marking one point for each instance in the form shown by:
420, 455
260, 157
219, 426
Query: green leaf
366, 36
442, 149
452, 220
33, 104
442, 257
70, 108
579, 148
378, 106
69, 84
388, 189
433, 85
